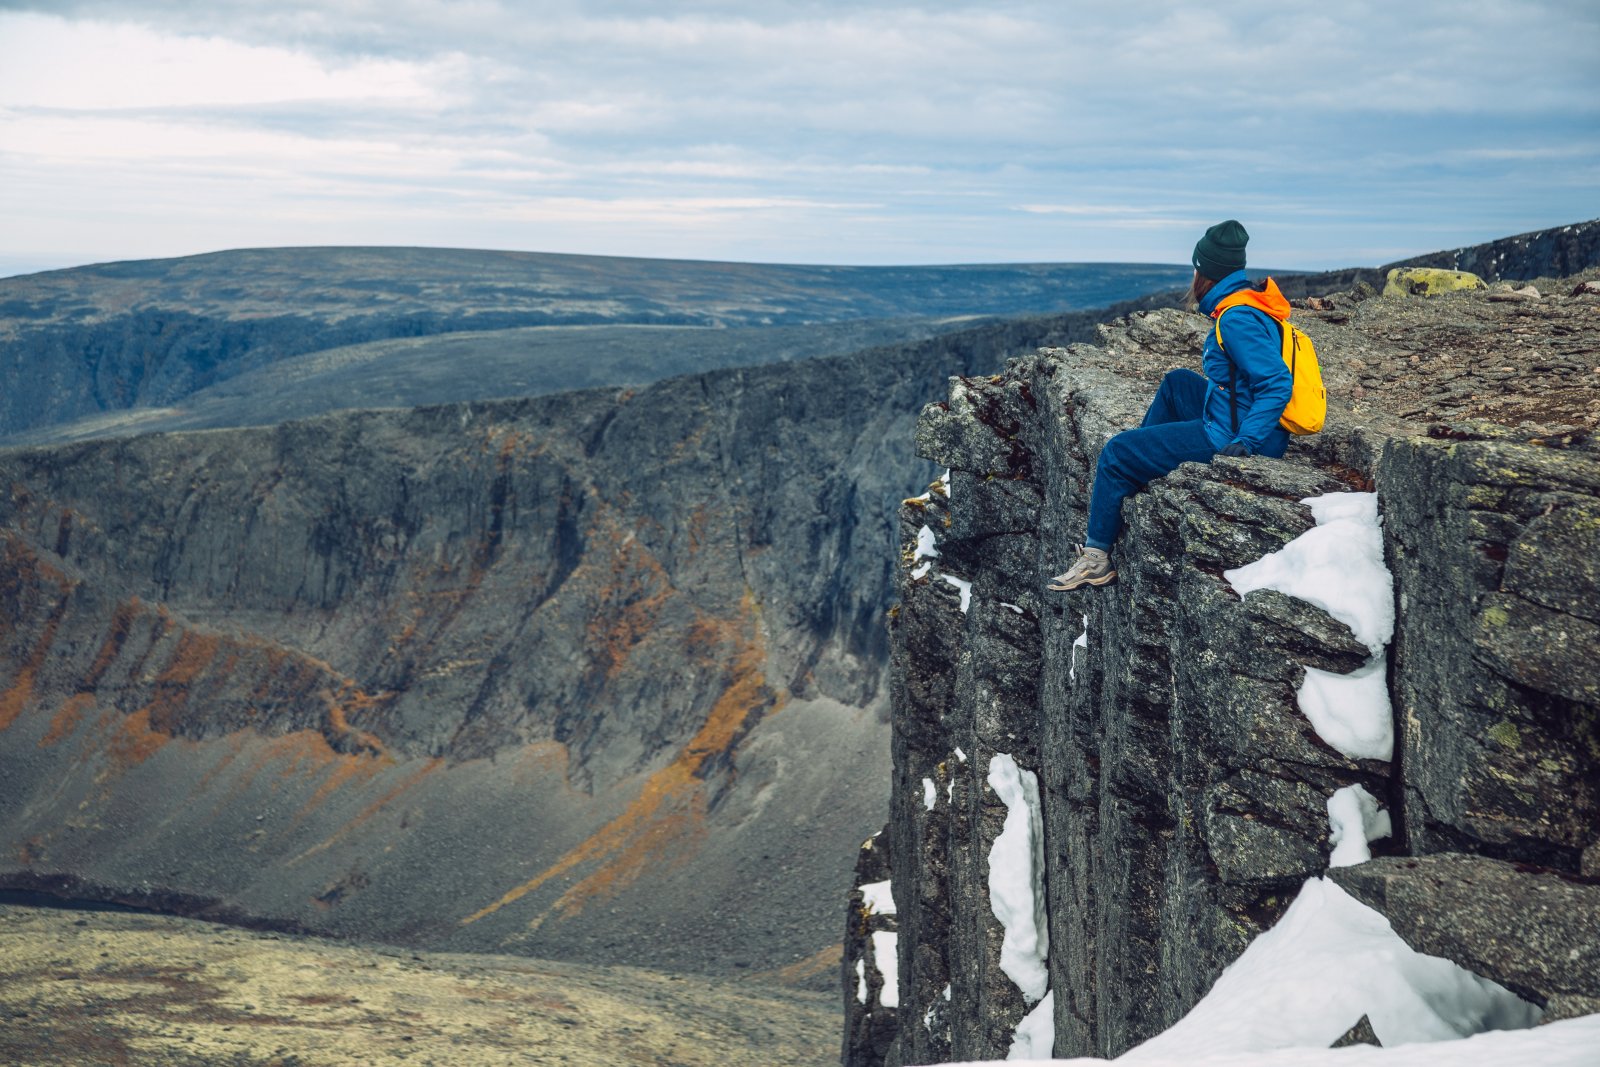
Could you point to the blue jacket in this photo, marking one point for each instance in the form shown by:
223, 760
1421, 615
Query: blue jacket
1253, 342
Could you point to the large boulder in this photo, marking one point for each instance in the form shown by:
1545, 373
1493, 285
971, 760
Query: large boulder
1428, 281
1534, 931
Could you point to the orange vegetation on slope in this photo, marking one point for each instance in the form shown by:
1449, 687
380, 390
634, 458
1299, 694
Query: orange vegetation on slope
135, 741
408, 782
24, 574
201, 667
177, 679
67, 718
627, 589
121, 623
667, 818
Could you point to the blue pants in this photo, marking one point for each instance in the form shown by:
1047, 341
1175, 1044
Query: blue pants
1172, 433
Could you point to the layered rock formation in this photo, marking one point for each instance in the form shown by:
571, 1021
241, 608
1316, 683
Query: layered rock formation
1183, 792
586, 675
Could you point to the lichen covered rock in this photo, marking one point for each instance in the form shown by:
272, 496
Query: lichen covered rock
1428, 281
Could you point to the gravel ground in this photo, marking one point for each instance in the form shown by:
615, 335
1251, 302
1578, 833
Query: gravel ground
89, 988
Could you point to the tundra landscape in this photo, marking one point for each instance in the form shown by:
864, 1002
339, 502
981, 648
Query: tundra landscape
616, 533
600, 676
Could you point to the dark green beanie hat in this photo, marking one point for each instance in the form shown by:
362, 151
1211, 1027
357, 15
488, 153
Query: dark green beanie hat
1221, 251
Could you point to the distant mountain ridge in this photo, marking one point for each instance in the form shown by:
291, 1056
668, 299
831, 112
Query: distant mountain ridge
121, 336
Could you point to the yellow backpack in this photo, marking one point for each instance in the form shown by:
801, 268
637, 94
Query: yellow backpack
1308, 404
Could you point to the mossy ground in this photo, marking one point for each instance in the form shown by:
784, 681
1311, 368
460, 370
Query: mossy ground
118, 988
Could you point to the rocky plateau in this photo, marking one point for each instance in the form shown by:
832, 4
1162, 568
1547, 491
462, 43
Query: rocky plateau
1182, 791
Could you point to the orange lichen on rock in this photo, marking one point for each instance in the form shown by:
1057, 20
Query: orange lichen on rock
628, 604
292, 748
512, 442
29, 852
17, 695
135, 741
345, 771
176, 682
701, 524
26, 575
111, 648
409, 782
20, 692
67, 718
351, 699
663, 824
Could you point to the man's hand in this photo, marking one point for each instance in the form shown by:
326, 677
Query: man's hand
1236, 448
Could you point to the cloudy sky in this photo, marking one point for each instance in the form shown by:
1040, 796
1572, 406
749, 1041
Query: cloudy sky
820, 132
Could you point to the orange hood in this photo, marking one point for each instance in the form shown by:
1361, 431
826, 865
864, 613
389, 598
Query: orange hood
1267, 299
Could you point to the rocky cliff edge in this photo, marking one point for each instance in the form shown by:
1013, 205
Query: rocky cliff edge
1182, 792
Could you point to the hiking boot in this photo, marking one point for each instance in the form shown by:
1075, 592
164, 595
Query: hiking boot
1092, 568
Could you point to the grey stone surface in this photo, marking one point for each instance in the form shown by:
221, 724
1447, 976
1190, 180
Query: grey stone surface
1494, 682
1534, 931
1359, 1034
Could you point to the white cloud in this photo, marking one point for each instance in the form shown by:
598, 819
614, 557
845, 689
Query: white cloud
1009, 131
50, 62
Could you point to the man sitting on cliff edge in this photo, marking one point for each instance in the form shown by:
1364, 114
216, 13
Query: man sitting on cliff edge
1234, 409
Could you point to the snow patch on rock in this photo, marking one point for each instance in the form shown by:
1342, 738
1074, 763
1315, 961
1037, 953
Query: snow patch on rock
1016, 878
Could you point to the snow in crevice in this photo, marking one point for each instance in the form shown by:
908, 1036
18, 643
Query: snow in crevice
1035, 1037
1351, 711
965, 588
925, 552
1328, 961
1338, 566
1016, 878
1354, 820
878, 897
1082, 642
960, 755
883, 958
929, 795
861, 980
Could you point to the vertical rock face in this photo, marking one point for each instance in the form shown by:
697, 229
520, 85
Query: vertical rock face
1184, 792
1496, 552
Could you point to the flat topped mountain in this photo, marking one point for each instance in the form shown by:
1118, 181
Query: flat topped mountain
89, 344
333, 284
